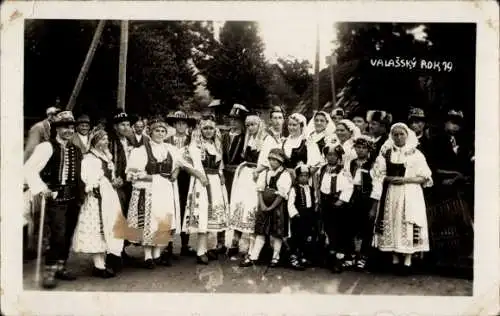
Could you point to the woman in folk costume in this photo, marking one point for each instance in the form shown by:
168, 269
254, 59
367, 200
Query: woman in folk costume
244, 199
320, 130
207, 209
181, 140
399, 173
296, 147
154, 211
273, 139
346, 132
101, 209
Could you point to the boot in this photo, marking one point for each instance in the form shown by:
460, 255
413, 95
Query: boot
62, 272
49, 278
102, 273
114, 263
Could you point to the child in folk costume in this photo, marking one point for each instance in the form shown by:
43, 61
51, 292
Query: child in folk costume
271, 219
363, 200
207, 209
154, 206
399, 173
244, 198
302, 212
333, 191
181, 140
101, 209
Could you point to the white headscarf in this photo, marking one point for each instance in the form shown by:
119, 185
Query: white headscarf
411, 142
351, 127
259, 137
328, 132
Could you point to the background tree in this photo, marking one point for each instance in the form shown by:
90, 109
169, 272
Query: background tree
236, 70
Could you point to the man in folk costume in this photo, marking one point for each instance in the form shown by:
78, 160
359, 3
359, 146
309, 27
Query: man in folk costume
379, 123
417, 122
120, 145
139, 137
81, 139
181, 140
154, 210
233, 146
53, 170
40, 132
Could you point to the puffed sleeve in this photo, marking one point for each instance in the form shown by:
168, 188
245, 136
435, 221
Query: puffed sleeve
378, 173
137, 161
34, 165
420, 168
284, 184
91, 172
261, 181
292, 210
267, 145
195, 155
314, 157
345, 185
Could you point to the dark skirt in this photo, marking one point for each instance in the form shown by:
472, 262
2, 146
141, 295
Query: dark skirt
274, 222
451, 231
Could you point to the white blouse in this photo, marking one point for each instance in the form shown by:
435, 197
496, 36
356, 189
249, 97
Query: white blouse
269, 143
283, 184
91, 171
343, 185
314, 157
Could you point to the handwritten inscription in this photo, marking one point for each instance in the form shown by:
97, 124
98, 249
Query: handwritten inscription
414, 63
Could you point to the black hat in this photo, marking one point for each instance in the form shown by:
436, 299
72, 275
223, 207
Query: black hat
455, 116
83, 119
120, 117
382, 117
238, 111
416, 114
179, 116
64, 118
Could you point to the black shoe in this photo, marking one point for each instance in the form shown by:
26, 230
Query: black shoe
247, 262
102, 273
404, 270
49, 281
65, 275
212, 254
114, 263
233, 251
337, 266
149, 264
202, 259
187, 251
128, 260
165, 259
296, 264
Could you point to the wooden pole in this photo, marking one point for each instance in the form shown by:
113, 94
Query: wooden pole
122, 66
332, 78
86, 65
316, 73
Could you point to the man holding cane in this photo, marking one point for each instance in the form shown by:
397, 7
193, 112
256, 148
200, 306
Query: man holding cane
53, 170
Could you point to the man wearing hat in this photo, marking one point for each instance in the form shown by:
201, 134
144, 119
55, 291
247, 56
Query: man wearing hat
417, 122
53, 171
120, 145
40, 132
181, 140
337, 114
81, 137
379, 123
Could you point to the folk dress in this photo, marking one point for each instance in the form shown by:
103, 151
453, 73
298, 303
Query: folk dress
401, 223
300, 150
154, 206
101, 208
244, 197
207, 208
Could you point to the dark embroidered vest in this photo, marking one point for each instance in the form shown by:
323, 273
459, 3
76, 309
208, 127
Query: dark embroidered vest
53, 171
333, 185
366, 179
321, 144
210, 164
119, 158
153, 166
233, 149
298, 154
251, 155
273, 181
300, 198
393, 169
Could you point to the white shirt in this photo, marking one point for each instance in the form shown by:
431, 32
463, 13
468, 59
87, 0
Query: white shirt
283, 184
85, 140
343, 185
126, 147
292, 210
38, 160
179, 141
138, 137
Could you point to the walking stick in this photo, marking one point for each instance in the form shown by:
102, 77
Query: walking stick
40, 240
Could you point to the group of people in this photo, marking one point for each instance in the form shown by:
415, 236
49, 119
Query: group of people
334, 191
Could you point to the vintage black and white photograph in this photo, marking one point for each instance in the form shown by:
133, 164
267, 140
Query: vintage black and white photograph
249, 156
